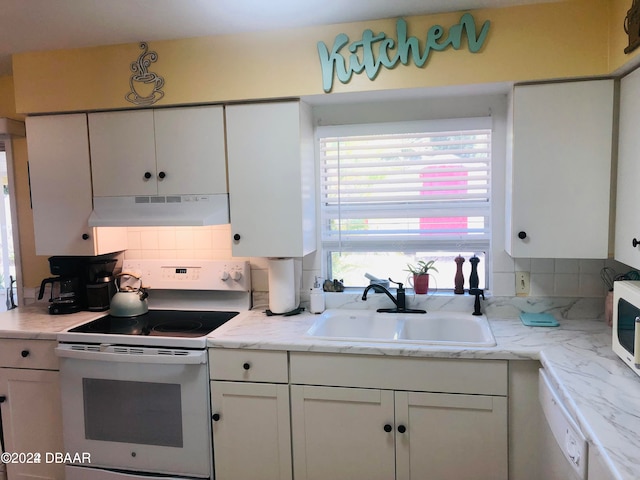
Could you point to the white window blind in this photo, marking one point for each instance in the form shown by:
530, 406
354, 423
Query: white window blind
413, 186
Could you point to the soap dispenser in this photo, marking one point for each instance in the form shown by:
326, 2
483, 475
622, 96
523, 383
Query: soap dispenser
316, 300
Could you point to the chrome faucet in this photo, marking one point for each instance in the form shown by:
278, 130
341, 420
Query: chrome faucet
400, 302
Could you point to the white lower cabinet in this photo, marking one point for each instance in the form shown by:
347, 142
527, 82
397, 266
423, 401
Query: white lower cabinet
320, 416
339, 433
250, 413
381, 434
251, 431
344, 427
31, 409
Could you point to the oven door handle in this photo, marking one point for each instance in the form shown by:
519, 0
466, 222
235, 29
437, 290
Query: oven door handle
182, 357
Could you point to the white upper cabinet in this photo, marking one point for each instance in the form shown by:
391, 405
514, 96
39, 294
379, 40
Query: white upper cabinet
60, 179
170, 151
627, 231
271, 179
559, 173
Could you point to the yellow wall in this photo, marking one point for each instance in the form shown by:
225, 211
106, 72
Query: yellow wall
525, 43
34, 268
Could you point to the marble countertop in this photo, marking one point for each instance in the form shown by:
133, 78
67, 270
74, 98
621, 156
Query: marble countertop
600, 391
34, 322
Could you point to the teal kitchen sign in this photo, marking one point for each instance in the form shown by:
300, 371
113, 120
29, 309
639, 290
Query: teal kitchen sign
372, 52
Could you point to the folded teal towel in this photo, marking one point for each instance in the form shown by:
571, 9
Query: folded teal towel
538, 320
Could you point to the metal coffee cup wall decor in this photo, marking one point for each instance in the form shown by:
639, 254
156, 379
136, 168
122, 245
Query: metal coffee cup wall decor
145, 85
632, 26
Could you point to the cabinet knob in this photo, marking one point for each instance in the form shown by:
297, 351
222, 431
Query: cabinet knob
3, 398
85, 236
388, 428
522, 235
161, 175
215, 417
147, 175
236, 237
635, 243
402, 428
246, 366
24, 353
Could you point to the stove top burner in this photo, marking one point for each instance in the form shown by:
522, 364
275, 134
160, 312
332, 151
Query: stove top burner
177, 326
160, 323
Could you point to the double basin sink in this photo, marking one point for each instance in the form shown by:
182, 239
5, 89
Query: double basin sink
436, 328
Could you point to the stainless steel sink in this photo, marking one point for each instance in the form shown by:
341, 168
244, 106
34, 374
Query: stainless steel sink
436, 328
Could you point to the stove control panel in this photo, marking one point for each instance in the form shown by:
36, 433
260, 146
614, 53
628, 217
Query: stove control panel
219, 275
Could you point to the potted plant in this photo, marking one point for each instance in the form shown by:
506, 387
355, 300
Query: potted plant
420, 272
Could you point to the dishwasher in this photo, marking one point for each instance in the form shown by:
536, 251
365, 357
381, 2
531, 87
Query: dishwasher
563, 449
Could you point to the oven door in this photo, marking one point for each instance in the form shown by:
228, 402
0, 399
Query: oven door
137, 408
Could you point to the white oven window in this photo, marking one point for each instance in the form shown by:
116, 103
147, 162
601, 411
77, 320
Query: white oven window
144, 413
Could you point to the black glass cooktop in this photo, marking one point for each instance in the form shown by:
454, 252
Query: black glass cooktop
159, 323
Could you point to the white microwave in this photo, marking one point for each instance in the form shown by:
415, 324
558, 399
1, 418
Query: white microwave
626, 323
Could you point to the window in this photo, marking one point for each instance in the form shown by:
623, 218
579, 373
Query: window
392, 194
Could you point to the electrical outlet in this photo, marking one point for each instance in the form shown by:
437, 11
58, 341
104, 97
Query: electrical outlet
522, 283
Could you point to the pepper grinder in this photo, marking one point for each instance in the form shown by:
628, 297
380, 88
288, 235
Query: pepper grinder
473, 276
459, 278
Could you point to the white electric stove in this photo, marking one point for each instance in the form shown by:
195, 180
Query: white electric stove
135, 391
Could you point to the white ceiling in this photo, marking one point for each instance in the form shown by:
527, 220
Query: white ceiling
32, 25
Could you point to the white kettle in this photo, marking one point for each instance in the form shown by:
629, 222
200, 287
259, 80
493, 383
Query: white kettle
129, 301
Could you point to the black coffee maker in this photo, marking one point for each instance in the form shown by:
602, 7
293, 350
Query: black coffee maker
67, 295
101, 284
72, 290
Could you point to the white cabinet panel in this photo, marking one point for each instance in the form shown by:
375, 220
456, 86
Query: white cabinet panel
60, 177
340, 433
559, 187
122, 152
173, 151
450, 437
271, 179
251, 431
190, 150
628, 194
32, 421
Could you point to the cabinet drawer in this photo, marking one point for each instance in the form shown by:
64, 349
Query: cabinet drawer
484, 377
248, 365
36, 354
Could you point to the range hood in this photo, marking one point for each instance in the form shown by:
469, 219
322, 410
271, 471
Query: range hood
160, 210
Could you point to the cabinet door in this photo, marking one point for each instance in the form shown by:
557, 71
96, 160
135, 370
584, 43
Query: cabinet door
251, 431
271, 179
60, 178
339, 433
190, 150
628, 195
451, 436
32, 421
562, 147
122, 152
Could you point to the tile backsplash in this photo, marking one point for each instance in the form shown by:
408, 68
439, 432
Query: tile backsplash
549, 277
553, 277
203, 243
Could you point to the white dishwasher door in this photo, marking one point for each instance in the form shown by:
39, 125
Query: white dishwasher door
563, 449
